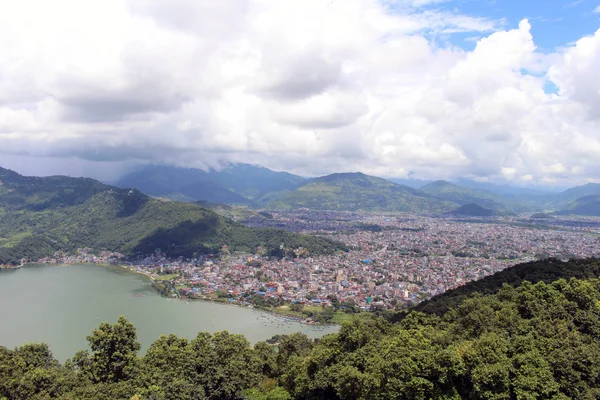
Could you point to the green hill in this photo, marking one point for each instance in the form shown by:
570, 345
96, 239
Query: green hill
357, 191
586, 206
472, 210
19, 192
36, 221
564, 199
463, 195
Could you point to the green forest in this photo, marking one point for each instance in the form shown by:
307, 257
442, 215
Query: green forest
528, 341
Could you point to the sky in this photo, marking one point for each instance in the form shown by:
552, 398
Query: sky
502, 91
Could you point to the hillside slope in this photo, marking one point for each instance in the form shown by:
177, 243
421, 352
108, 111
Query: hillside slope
461, 195
185, 184
548, 270
255, 182
32, 193
588, 206
472, 210
121, 220
357, 191
565, 198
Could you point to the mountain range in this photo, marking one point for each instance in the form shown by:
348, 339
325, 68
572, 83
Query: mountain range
587, 206
39, 216
462, 195
258, 187
234, 184
261, 188
472, 210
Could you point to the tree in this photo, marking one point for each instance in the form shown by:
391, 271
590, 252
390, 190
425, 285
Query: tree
114, 351
294, 345
167, 368
268, 357
224, 365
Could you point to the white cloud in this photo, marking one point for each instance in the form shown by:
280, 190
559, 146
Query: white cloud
313, 87
597, 10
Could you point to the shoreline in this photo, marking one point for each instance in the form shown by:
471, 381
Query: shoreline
9, 267
152, 279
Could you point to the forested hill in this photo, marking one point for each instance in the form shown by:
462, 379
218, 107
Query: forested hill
462, 195
19, 192
547, 271
535, 341
39, 216
586, 205
357, 191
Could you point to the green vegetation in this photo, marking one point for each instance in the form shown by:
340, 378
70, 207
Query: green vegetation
548, 270
473, 210
463, 195
356, 191
564, 199
35, 194
322, 315
586, 205
127, 221
165, 277
531, 341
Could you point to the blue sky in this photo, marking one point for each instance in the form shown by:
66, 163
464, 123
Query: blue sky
555, 23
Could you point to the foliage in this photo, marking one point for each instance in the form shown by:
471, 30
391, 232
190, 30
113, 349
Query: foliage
473, 210
462, 195
356, 191
533, 341
115, 348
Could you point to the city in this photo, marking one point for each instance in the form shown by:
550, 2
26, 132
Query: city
394, 260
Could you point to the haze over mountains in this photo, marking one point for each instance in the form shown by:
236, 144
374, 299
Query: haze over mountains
259, 187
234, 184
463, 195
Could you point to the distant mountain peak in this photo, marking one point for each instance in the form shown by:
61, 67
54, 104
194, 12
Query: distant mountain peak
345, 175
439, 183
4, 172
234, 183
350, 191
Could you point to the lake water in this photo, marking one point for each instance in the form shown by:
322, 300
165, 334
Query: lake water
61, 305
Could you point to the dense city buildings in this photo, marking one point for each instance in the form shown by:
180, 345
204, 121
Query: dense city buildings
394, 260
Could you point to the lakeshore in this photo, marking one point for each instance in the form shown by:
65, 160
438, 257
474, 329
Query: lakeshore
283, 312
63, 305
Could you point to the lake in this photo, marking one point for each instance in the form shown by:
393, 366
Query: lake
61, 305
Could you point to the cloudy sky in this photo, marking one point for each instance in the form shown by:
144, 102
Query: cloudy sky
500, 90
